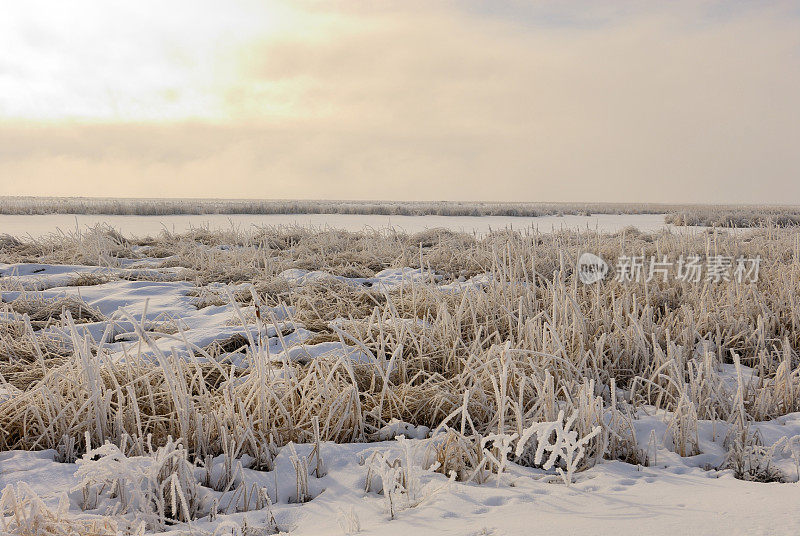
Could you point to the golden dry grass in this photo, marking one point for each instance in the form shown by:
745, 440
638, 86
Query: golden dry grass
530, 342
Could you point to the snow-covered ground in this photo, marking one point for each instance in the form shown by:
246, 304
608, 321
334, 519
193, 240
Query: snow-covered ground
127, 305
673, 496
669, 495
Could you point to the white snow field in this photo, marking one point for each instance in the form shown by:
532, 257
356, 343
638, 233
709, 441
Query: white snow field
293, 380
674, 497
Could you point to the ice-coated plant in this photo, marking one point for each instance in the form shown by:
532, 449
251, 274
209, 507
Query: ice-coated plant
556, 445
349, 521
792, 447
158, 488
300, 464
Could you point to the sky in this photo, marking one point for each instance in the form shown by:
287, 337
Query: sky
502, 100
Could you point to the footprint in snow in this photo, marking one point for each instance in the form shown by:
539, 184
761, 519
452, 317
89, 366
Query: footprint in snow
495, 501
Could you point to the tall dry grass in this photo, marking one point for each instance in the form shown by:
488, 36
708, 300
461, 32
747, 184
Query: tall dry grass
529, 344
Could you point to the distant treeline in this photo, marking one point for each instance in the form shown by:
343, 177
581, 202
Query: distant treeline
708, 215
161, 207
742, 216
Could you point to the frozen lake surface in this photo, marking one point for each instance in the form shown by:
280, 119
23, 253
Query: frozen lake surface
41, 225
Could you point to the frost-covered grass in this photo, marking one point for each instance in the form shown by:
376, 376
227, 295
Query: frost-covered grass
726, 216
160, 207
228, 377
735, 216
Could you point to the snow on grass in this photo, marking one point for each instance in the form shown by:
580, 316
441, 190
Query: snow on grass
259, 385
613, 497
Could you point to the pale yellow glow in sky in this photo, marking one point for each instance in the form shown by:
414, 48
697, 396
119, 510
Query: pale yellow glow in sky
500, 100
130, 61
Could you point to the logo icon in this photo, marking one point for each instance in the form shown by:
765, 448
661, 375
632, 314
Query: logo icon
591, 268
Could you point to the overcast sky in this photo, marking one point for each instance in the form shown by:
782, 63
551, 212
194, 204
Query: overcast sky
499, 100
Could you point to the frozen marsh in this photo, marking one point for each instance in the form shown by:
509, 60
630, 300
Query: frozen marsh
320, 381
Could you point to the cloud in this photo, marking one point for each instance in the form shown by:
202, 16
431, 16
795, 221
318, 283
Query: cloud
673, 102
